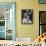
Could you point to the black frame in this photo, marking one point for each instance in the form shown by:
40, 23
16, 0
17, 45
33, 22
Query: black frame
29, 15
41, 2
39, 20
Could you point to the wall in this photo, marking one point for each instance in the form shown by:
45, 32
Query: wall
32, 30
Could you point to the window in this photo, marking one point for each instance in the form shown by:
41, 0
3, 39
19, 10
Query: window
42, 1
7, 21
42, 22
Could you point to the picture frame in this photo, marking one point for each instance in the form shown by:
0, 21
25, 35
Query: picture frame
27, 16
42, 1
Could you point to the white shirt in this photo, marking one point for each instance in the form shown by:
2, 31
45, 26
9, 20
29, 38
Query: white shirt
26, 21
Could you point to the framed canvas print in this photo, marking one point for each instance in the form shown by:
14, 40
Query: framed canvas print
42, 22
42, 1
26, 16
7, 20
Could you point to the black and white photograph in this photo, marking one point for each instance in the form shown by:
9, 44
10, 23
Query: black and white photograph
27, 16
